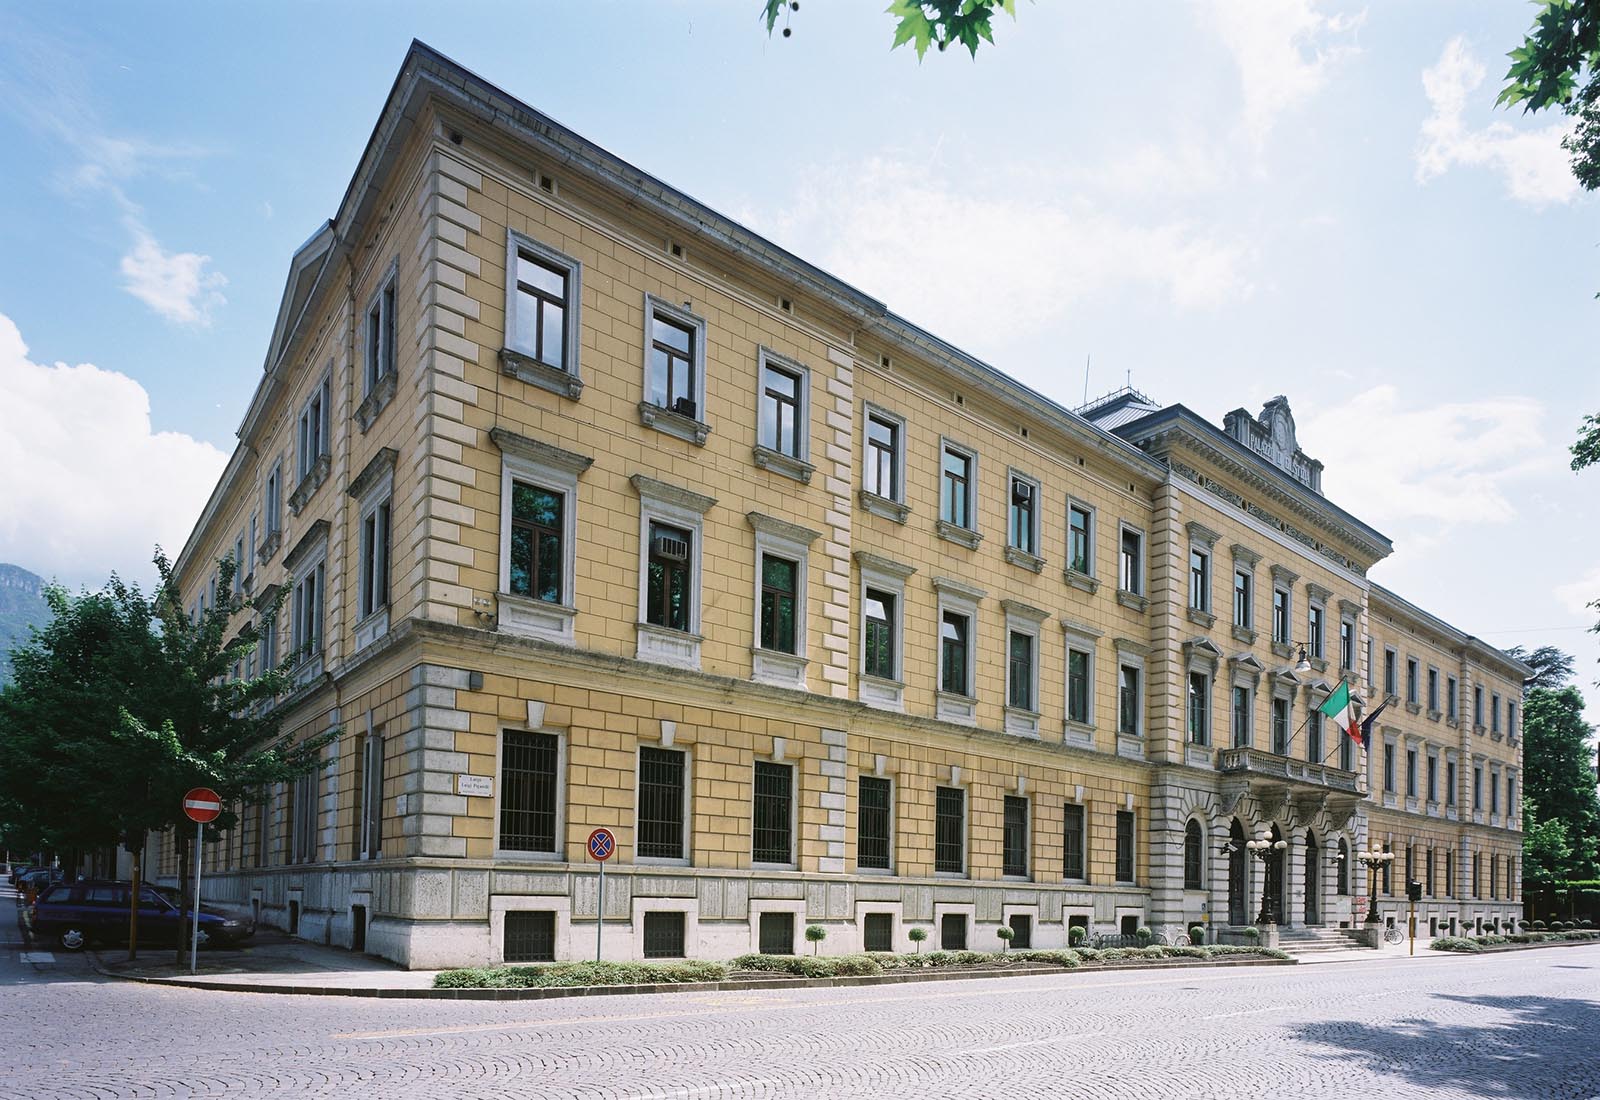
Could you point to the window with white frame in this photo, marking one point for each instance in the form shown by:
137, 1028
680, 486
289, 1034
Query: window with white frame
1021, 669
1452, 692
675, 370
374, 562
1282, 631
1080, 538
306, 612
1412, 681
1022, 524
958, 480
1494, 712
272, 502
1433, 691
1199, 708
538, 536
303, 818
782, 415
312, 435
881, 613
671, 523
1281, 712
544, 295
663, 804
1391, 671
881, 639
1314, 734
380, 334
369, 844
1130, 566
1081, 642
955, 652
883, 460
1130, 692
1242, 706
1200, 579
782, 565
958, 646
1243, 599
1316, 626
1477, 705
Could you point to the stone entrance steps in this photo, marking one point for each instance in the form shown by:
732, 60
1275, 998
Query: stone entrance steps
1302, 940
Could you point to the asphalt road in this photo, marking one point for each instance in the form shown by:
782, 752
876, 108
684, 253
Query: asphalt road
1523, 1026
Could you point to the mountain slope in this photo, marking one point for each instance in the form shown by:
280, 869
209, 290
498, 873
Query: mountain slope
21, 606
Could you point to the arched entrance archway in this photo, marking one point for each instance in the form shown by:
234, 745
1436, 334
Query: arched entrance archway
1238, 880
1313, 883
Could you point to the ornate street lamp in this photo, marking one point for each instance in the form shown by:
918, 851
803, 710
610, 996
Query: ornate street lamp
1263, 847
1372, 860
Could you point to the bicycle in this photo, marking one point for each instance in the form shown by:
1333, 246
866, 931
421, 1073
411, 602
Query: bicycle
1392, 934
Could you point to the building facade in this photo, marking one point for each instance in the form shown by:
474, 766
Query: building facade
594, 509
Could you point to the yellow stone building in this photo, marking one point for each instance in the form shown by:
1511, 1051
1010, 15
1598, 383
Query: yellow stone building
595, 509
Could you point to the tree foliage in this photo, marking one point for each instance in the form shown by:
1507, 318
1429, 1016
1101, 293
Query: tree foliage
1556, 66
1551, 667
923, 23
121, 703
1558, 785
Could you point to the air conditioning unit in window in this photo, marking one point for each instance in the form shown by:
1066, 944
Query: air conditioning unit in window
1020, 493
669, 547
684, 406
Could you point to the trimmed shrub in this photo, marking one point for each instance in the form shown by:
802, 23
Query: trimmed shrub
1005, 932
1221, 950
1251, 933
1076, 935
1088, 954
579, 974
1185, 952
1455, 943
1487, 941
916, 935
810, 966
816, 934
1145, 935
1197, 934
1067, 959
1539, 925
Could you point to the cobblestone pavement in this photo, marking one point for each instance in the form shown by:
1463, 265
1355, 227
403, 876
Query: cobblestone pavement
1523, 1026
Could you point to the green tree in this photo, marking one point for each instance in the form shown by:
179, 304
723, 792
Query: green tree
122, 703
1558, 785
1546, 851
1551, 667
923, 23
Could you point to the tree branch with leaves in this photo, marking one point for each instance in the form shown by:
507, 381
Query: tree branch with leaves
923, 23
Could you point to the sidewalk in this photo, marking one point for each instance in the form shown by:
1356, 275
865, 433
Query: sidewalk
271, 963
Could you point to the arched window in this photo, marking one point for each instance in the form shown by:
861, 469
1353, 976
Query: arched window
1193, 857
1344, 867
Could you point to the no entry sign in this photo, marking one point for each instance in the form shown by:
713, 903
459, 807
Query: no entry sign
202, 804
602, 845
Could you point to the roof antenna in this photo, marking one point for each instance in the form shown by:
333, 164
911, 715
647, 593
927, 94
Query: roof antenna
1086, 378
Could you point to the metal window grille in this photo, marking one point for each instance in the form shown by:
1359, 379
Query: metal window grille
949, 849
774, 806
1015, 839
528, 785
663, 935
877, 932
1072, 842
530, 936
777, 934
1021, 932
872, 822
1124, 846
1193, 857
953, 932
661, 803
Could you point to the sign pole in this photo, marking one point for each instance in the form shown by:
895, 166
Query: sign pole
600, 911
194, 917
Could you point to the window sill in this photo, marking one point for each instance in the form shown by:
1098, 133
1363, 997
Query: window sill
1031, 562
664, 861
1413, 708
956, 708
374, 403
883, 506
1022, 723
373, 627
1081, 581
1197, 756
310, 484
1132, 600
686, 428
1130, 748
514, 856
874, 691
527, 369
771, 666
1480, 729
1202, 619
530, 618
1435, 715
664, 646
269, 546
1244, 634
961, 536
1282, 649
1319, 664
787, 465
1077, 733
307, 671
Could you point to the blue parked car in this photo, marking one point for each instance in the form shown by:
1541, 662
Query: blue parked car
76, 914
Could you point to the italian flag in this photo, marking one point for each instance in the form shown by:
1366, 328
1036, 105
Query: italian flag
1337, 709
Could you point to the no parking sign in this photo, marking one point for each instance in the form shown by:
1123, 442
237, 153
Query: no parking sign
602, 846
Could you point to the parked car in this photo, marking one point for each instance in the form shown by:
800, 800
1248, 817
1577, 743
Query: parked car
18, 870
75, 914
33, 883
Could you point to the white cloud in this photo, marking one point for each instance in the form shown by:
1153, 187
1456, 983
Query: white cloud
1423, 471
1532, 162
1577, 595
86, 487
972, 261
1284, 51
177, 285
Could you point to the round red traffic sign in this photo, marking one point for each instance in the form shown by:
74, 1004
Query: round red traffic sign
202, 804
602, 845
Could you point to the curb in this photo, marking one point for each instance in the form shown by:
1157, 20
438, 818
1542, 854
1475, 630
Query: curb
557, 992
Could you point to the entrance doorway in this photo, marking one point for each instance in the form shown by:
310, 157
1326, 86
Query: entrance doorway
1238, 882
1313, 884
1272, 899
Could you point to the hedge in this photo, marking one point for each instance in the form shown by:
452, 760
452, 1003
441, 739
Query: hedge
579, 974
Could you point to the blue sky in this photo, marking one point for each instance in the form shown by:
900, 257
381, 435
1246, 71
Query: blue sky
1221, 200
